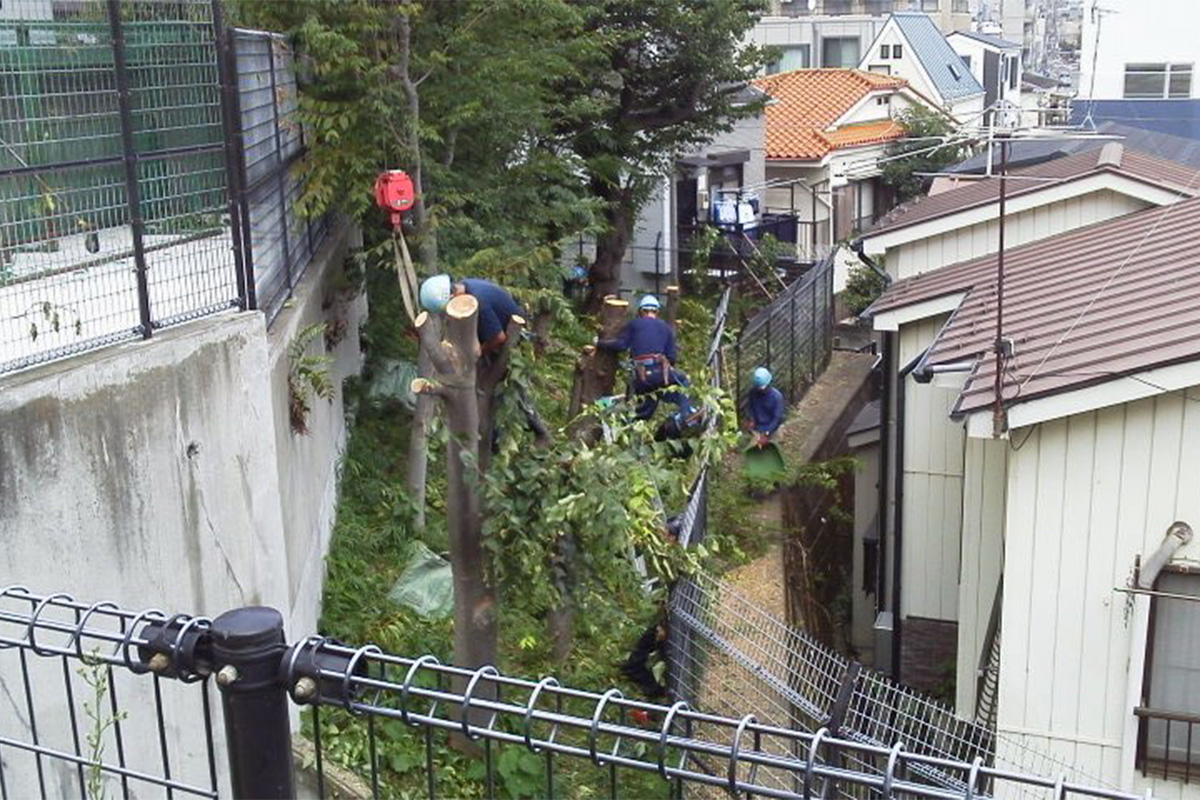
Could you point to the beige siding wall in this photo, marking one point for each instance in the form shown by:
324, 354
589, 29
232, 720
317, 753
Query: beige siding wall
984, 476
935, 252
1086, 495
933, 475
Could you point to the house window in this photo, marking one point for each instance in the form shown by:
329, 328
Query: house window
790, 57
966, 62
930, 5
840, 51
896, 51
1169, 731
1012, 72
1156, 81
881, 69
885, 51
960, 7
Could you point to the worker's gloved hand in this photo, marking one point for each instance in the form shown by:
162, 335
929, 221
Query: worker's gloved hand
760, 440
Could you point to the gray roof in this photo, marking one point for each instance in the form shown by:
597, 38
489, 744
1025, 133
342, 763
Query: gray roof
1044, 81
1084, 307
1027, 153
988, 39
936, 56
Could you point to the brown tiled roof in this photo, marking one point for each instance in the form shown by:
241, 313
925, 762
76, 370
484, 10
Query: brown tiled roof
1113, 157
809, 101
1083, 307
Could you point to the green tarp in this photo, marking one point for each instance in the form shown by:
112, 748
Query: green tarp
425, 586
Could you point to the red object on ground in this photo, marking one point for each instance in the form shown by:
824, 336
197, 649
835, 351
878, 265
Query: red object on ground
394, 193
641, 716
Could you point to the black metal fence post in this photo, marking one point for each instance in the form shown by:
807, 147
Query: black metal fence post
242, 182
792, 350
248, 644
812, 335
283, 211
231, 126
133, 192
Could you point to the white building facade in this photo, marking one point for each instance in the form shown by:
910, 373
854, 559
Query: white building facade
1143, 50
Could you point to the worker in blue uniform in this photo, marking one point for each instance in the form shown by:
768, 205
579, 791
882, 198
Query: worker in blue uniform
766, 408
651, 345
496, 309
496, 306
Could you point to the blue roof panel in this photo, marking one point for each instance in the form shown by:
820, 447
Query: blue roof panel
1172, 117
946, 70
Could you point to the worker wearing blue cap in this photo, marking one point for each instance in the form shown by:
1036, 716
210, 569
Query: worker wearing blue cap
651, 344
496, 306
766, 407
496, 309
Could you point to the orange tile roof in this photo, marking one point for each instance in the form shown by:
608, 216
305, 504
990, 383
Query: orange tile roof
809, 101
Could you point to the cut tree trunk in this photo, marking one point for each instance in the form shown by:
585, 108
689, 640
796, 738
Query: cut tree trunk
596, 370
454, 359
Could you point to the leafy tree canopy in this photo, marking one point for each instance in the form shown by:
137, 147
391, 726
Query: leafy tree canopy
921, 125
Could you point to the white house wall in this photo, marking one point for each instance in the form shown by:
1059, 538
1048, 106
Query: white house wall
933, 487
907, 66
1086, 495
980, 239
1136, 31
984, 477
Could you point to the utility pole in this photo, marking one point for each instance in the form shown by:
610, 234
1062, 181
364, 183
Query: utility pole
999, 421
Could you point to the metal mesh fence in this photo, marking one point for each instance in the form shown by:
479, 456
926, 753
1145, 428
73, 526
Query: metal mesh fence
272, 144
114, 215
728, 656
792, 336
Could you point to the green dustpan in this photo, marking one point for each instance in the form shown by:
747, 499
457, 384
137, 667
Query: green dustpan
764, 464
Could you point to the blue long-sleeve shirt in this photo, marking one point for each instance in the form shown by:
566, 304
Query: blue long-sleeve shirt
496, 307
644, 336
766, 409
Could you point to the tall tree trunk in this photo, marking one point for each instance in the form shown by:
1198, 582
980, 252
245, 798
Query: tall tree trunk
418, 440
619, 213
454, 358
595, 377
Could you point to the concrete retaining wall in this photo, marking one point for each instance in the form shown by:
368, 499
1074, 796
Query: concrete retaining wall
164, 473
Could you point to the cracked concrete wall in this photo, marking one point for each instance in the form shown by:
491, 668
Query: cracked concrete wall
165, 474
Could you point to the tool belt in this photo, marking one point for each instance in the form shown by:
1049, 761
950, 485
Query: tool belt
652, 369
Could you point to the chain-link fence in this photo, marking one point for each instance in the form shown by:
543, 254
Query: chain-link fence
114, 215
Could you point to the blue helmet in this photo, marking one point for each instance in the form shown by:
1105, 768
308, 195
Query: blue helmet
435, 293
762, 378
649, 303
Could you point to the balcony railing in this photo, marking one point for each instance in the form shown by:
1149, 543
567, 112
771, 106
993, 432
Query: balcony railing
1168, 744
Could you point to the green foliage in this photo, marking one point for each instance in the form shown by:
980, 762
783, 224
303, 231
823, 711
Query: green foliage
492, 171
308, 375
95, 674
919, 124
863, 286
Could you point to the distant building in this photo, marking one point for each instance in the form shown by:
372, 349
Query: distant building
996, 64
1142, 50
826, 130
911, 47
1044, 101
